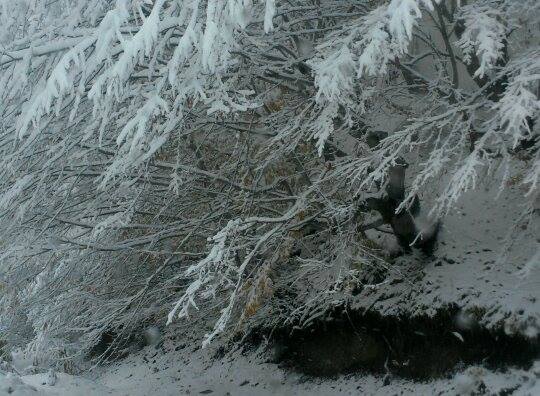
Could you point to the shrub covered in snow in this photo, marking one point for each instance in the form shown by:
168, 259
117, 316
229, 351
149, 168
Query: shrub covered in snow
163, 156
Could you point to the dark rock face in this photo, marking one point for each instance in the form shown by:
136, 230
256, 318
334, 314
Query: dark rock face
417, 348
340, 350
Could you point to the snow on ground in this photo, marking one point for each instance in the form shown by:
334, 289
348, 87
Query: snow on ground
67, 385
12, 384
195, 371
468, 269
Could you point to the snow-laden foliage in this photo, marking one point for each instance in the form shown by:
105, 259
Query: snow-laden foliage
161, 157
484, 35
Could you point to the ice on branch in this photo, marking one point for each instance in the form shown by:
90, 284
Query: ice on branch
269, 15
484, 35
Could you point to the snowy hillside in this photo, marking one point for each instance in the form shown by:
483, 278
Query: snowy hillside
187, 371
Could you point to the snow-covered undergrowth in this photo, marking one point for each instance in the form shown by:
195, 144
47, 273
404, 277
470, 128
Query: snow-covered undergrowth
261, 163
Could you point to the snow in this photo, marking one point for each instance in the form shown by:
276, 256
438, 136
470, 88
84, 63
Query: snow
11, 384
270, 11
66, 385
94, 244
469, 267
193, 370
467, 270
485, 33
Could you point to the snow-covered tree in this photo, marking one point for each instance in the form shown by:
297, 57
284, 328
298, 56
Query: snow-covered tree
163, 156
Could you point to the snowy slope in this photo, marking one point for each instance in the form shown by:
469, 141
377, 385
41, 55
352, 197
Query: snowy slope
194, 371
190, 371
470, 267
12, 384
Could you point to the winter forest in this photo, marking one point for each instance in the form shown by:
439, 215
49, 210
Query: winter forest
269, 197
